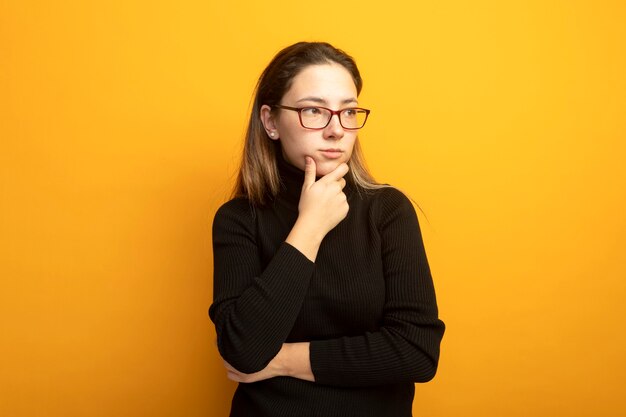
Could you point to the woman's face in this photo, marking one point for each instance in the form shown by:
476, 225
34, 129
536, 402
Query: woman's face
327, 85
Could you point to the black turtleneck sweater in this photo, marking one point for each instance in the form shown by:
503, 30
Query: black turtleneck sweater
367, 305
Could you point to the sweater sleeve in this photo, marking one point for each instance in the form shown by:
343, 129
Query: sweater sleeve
406, 346
253, 308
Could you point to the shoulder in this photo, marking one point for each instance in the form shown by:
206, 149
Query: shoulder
387, 198
391, 196
390, 204
235, 206
235, 212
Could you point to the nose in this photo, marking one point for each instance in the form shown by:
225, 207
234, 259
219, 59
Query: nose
334, 130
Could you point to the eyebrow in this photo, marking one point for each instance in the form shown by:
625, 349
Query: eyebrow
322, 101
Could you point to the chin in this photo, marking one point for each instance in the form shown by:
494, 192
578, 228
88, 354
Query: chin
326, 167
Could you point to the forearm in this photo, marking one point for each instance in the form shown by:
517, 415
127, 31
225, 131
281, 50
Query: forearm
306, 237
387, 356
252, 325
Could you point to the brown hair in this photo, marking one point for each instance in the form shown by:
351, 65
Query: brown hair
258, 179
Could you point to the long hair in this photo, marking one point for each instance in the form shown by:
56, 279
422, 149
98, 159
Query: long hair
258, 179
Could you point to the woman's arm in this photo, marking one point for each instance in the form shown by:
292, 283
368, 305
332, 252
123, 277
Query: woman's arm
254, 310
406, 346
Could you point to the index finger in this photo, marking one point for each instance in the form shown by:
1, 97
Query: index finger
229, 367
337, 173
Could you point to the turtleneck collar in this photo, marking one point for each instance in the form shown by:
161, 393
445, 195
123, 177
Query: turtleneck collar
291, 179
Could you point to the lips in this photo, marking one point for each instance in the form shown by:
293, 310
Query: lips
332, 153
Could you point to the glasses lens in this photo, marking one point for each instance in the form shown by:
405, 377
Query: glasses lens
353, 118
314, 117
318, 117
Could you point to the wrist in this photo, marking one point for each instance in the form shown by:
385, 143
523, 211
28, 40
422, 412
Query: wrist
282, 361
294, 361
309, 229
306, 237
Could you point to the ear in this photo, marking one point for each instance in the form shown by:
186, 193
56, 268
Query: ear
269, 122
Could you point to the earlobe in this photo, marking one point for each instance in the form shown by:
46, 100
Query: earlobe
268, 122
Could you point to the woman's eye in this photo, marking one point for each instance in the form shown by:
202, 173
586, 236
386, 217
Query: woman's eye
311, 111
349, 112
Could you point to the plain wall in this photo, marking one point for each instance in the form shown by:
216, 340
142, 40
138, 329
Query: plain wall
120, 132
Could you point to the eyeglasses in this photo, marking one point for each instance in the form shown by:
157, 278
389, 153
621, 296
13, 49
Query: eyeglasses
352, 118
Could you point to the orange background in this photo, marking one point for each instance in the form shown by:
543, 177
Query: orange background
121, 126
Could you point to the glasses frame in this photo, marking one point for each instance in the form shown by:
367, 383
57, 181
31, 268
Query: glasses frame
332, 113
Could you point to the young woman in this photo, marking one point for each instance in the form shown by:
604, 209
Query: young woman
323, 299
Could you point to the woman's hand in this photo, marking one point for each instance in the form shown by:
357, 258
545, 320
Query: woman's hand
322, 206
322, 202
292, 360
268, 372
